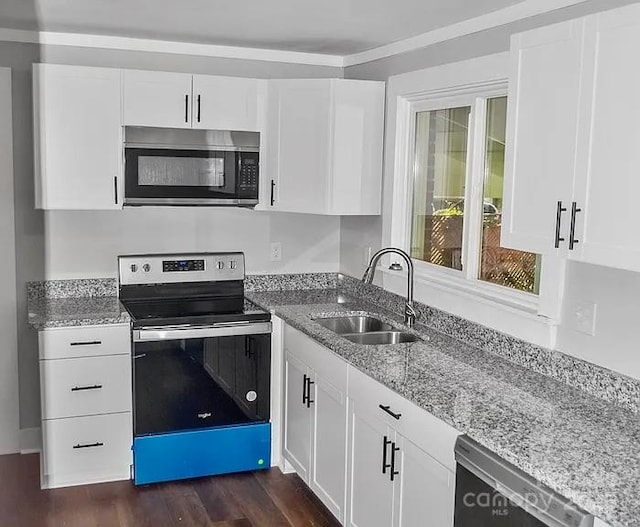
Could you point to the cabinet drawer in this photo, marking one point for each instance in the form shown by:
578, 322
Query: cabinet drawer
426, 431
85, 386
83, 450
322, 360
85, 341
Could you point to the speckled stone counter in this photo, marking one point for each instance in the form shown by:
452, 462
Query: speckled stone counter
584, 447
67, 303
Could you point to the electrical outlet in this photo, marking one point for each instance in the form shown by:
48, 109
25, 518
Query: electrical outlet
584, 318
276, 251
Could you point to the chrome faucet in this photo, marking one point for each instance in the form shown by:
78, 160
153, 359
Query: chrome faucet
367, 278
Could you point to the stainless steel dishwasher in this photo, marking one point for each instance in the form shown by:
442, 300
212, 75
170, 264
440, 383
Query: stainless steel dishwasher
491, 492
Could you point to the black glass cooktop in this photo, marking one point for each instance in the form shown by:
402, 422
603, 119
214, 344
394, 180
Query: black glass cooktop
196, 311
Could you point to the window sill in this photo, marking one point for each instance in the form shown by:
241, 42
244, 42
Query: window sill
510, 312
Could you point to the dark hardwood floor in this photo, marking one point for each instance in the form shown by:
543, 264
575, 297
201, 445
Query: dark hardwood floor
260, 499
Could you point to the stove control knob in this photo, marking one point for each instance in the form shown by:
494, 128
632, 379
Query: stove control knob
232, 264
134, 268
220, 264
146, 268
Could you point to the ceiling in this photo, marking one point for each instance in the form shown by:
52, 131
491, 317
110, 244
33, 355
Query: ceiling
337, 27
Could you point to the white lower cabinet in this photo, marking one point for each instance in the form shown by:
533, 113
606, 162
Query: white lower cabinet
372, 457
315, 417
85, 385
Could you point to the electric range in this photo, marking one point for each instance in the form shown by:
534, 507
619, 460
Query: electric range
201, 366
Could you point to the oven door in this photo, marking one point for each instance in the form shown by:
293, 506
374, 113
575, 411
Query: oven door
197, 378
163, 176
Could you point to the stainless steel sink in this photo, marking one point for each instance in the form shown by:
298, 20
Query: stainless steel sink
353, 324
381, 337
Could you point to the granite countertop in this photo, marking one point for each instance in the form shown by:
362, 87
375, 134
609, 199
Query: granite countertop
581, 446
75, 311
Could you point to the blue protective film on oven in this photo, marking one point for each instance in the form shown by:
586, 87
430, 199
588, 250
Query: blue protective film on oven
196, 453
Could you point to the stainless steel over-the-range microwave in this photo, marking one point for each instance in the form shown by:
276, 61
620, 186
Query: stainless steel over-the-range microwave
190, 167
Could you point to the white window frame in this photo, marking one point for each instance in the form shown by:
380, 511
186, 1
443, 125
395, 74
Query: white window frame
547, 303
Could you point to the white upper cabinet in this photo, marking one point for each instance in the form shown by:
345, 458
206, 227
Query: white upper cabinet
226, 103
180, 100
157, 98
544, 88
77, 137
324, 153
607, 184
573, 138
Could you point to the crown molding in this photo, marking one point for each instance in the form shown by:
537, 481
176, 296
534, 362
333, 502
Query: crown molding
501, 17
507, 15
50, 38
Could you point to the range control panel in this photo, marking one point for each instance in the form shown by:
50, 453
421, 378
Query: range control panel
178, 268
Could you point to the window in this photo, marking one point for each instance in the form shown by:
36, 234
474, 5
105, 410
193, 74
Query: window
458, 175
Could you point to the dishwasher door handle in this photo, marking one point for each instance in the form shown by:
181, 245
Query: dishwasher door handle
201, 332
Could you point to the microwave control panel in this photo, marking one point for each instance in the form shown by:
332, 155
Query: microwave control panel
248, 177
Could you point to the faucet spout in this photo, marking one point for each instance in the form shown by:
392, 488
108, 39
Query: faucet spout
367, 278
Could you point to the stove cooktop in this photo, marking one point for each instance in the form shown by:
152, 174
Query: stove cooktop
193, 311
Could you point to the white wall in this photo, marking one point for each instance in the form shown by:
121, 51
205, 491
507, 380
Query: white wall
9, 400
86, 244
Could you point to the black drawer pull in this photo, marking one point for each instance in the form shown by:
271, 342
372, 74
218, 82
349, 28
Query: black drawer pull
385, 443
85, 388
87, 343
394, 472
560, 209
273, 189
310, 401
572, 229
386, 408
90, 445
304, 389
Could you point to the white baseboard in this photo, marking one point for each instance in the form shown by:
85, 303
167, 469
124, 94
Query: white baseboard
30, 440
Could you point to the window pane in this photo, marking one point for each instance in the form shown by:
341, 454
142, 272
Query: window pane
516, 269
440, 169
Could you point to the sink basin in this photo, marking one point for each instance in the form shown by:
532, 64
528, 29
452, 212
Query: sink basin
353, 324
381, 337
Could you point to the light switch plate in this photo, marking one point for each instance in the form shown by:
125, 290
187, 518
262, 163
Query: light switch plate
584, 318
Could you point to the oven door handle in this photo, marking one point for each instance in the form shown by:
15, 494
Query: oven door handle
201, 332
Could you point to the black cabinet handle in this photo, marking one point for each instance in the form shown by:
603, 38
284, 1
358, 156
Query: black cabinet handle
90, 445
85, 388
186, 108
385, 443
198, 108
559, 212
387, 409
304, 389
310, 401
87, 343
572, 230
115, 188
394, 472
273, 188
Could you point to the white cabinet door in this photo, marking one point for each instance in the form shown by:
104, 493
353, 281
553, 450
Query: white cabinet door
370, 490
297, 417
299, 131
157, 98
78, 140
225, 103
542, 124
426, 489
606, 228
328, 464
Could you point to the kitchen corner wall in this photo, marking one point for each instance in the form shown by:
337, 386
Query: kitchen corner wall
615, 293
70, 244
